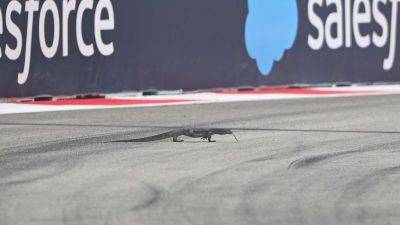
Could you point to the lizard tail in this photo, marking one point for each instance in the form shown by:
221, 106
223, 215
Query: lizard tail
157, 137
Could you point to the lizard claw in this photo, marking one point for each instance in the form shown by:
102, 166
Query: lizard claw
175, 139
209, 140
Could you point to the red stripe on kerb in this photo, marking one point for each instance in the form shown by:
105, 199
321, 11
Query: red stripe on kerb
292, 91
110, 102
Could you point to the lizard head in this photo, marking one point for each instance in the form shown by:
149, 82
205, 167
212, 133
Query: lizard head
221, 131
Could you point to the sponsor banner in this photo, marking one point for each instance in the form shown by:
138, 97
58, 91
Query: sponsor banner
64, 47
119, 101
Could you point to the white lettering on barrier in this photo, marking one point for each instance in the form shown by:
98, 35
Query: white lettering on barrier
31, 6
86, 49
360, 13
60, 29
102, 25
14, 30
68, 7
49, 7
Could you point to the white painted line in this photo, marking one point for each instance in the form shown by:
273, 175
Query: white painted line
202, 98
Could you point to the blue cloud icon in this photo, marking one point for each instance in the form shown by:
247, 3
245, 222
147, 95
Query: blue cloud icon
271, 28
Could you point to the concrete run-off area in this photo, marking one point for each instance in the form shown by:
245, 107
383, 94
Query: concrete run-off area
299, 161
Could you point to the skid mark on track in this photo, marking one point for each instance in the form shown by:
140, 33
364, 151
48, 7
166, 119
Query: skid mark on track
361, 186
307, 162
299, 148
31, 179
25, 164
60, 145
181, 200
312, 160
356, 192
155, 195
175, 202
108, 197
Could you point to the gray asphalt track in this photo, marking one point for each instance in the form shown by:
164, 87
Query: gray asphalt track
311, 161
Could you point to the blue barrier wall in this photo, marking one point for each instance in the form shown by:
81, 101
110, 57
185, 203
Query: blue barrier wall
69, 47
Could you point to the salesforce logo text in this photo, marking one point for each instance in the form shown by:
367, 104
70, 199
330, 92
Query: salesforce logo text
348, 17
60, 24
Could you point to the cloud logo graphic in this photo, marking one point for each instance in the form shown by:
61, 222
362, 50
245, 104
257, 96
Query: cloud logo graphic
271, 28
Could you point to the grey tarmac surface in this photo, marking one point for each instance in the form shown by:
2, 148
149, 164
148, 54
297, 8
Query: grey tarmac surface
311, 161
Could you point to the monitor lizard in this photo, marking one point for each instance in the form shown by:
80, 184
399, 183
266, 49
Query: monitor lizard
202, 133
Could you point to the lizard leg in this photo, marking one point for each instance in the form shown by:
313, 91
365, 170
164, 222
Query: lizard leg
176, 139
209, 139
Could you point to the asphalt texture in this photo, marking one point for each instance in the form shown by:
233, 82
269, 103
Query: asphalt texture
310, 161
